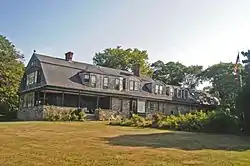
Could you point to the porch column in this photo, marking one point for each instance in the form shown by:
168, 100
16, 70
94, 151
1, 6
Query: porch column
38, 98
79, 100
110, 103
62, 98
97, 102
44, 97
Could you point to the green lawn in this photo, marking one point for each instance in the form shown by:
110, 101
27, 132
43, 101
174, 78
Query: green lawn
94, 143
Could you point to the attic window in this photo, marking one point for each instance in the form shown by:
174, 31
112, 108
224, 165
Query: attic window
179, 93
167, 91
175, 92
136, 85
186, 94
105, 82
131, 85
93, 81
117, 84
156, 89
161, 90
86, 78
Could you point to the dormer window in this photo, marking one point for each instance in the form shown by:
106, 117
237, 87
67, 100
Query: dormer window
178, 93
117, 84
186, 94
168, 91
105, 82
93, 81
175, 92
161, 90
86, 78
136, 86
156, 89
131, 85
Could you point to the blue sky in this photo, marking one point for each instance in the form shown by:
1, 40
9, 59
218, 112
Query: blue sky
189, 31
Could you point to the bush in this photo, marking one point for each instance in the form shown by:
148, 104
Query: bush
53, 113
214, 121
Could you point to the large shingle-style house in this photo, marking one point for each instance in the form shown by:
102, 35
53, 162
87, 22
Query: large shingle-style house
67, 83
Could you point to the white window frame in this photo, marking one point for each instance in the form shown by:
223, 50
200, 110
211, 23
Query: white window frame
136, 85
105, 83
160, 89
131, 85
156, 89
93, 81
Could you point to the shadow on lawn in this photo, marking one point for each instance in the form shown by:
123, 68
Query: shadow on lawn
183, 140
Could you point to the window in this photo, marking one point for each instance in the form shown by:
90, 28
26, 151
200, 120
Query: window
152, 106
183, 93
179, 93
93, 81
161, 90
117, 84
86, 78
175, 92
29, 99
186, 94
156, 89
124, 83
131, 85
105, 82
167, 91
31, 78
136, 85
171, 91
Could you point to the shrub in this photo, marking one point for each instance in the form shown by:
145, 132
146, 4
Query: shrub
199, 121
53, 113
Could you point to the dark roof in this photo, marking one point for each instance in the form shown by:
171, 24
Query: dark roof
61, 73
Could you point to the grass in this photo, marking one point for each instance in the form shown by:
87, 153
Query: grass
94, 144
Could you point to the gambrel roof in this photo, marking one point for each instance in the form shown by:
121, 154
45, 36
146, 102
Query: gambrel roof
59, 72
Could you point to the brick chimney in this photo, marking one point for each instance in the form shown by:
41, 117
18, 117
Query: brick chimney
69, 56
137, 70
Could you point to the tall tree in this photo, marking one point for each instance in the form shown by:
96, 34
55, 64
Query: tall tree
225, 84
11, 71
175, 73
124, 59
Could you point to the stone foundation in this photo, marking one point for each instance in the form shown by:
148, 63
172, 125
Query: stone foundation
32, 113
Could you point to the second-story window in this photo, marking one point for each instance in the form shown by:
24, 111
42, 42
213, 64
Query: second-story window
105, 82
179, 93
175, 92
93, 81
168, 91
186, 94
136, 86
86, 78
117, 84
131, 85
156, 89
160, 90
31, 78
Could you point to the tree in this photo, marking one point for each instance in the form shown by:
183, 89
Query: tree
175, 73
225, 84
124, 59
11, 72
